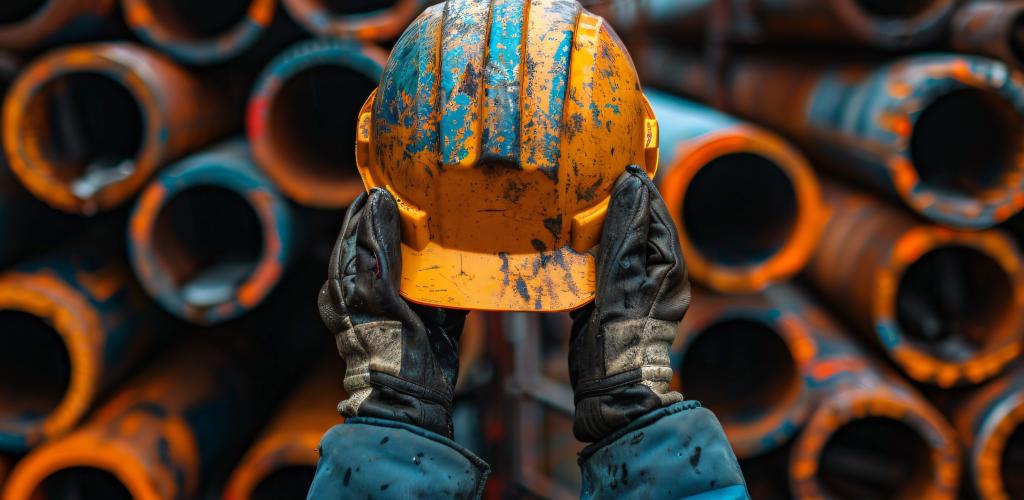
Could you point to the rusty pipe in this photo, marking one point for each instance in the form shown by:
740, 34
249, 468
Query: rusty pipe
944, 305
210, 238
991, 424
990, 28
885, 24
198, 32
25, 24
281, 462
60, 111
164, 431
746, 204
943, 133
73, 326
371, 20
302, 116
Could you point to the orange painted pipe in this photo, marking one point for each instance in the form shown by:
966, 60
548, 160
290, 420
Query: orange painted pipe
991, 424
746, 203
944, 305
374, 20
71, 159
302, 116
281, 462
990, 28
162, 433
27, 24
72, 327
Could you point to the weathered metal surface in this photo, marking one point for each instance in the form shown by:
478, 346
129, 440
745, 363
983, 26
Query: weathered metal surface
26, 25
200, 32
372, 20
501, 199
990, 28
746, 203
73, 326
884, 24
990, 422
944, 305
943, 133
281, 462
69, 158
169, 427
210, 238
302, 116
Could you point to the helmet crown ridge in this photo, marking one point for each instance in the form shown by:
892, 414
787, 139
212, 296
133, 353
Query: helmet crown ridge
501, 127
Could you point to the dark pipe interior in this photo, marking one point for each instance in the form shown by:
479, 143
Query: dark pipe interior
208, 233
953, 301
740, 209
343, 7
313, 120
81, 483
740, 369
875, 457
895, 8
286, 482
12, 11
965, 142
1013, 464
92, 123
35, 368
200, 18
1017, 39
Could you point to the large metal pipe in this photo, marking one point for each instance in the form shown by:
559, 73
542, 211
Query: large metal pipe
944, 305
747, 204
210, 238
198, 31
60, 111
990, 28
871, 435
991, 424
886, 24
166, 430
302, 117
943, 133
25, 24
72, 326
281, 462
374, 20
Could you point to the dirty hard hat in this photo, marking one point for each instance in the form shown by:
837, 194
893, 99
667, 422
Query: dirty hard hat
500, 127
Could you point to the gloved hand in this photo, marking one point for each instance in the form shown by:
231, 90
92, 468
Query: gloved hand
618, 352
401, 359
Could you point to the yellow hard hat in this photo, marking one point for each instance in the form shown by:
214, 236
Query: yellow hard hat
501, 126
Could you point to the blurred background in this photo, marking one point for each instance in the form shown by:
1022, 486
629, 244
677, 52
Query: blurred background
846, 176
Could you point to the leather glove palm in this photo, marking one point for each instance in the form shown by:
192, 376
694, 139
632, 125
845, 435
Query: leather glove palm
618, 353
401, 360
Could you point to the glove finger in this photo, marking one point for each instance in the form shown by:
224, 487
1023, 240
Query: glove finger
666, 268
621, 262
331, 301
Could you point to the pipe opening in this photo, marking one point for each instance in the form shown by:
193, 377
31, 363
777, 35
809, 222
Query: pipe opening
954, 301
902, 9
35, 369
89, 127
1017, 38
312, 122
209, 241
13, 11
740, 209
199, 19
1013, 464
81, 482
286, 482
741, 370
875, 457
347, 7
967, 142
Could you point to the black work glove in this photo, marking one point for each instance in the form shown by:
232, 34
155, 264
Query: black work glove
401, 359
618, 352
